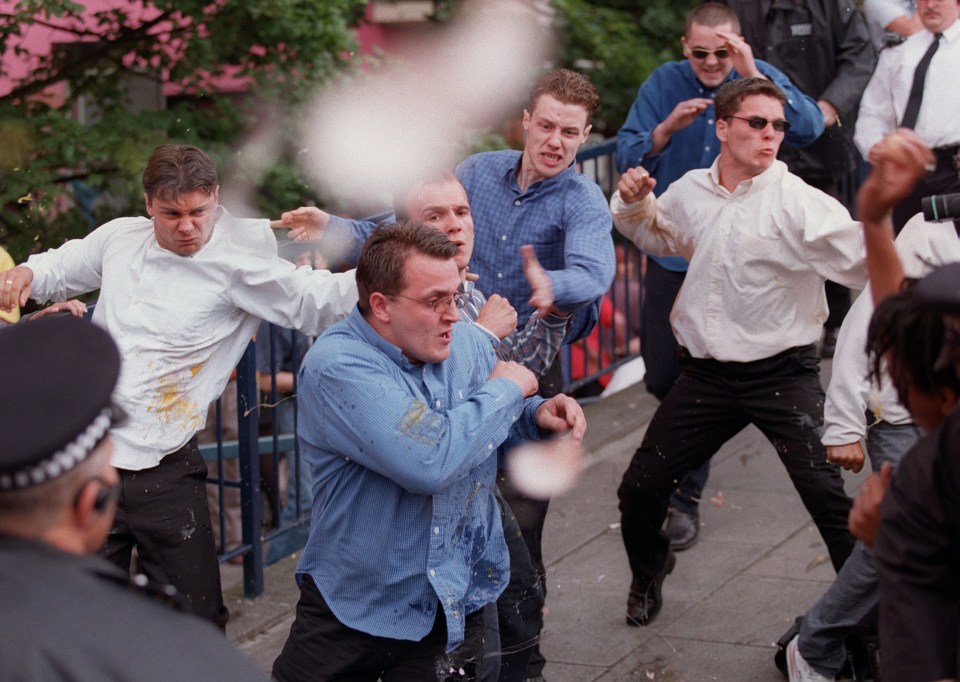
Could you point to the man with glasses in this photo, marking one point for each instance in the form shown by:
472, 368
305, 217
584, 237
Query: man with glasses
402, 414
669, 131
761, 244
68, 614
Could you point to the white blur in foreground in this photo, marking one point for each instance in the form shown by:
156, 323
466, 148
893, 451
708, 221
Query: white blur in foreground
545, 469
370, 136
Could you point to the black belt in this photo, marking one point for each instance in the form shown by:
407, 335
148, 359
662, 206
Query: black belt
946, 156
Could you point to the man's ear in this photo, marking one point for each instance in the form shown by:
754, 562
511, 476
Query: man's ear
722, 125
378, 306
85, 508
526, 120
586, 133
148, 204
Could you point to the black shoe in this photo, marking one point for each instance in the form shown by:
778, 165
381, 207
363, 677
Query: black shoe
645, 598
681, 529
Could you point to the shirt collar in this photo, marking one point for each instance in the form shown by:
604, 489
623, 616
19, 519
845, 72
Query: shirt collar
359, 324
772, 174
951, 33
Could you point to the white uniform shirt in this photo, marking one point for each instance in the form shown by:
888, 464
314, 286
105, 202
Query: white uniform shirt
183, 322
885, 99
758, 256
882, 13
921, 246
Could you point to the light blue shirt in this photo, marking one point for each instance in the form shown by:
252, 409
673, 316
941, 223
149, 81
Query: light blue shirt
403, 459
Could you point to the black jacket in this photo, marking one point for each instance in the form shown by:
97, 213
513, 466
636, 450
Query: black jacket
824, 47
69, 617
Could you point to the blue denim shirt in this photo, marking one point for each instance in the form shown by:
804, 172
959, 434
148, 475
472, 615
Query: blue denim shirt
403, 459
696, 146
565, 218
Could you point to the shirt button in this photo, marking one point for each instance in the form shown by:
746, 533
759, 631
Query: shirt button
436, 530
432, 572
710, 121
707, 148
516, 203
499, 275
503, 238
437, 404
489, 446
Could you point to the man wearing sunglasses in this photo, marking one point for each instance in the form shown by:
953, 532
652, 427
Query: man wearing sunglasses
761, 243
402, 414
670, 130
66, 612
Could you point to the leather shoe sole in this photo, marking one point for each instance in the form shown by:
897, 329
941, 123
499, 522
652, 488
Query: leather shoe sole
646, 598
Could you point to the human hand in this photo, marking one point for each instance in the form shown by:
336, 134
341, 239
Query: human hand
849, 456
74, 307
498, 316
561, 414
635, 184
864, 517
685, 113
15, 287
518, 374
741, 55
306, 224
897, 162
541, 285
830, 114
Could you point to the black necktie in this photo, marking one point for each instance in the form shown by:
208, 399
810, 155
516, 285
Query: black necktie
916, 90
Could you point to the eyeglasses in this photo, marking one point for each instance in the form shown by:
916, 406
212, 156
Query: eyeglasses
440, 305
700, 53
759, 123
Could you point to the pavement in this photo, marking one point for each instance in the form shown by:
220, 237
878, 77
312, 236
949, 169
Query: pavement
759, 563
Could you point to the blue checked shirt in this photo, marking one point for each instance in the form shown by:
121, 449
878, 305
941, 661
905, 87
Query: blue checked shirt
565, 218
403, 459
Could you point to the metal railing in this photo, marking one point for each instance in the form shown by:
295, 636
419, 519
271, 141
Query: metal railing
600, 354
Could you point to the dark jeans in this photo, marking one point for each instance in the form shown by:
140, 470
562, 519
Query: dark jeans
710, 403
320, 647
163, 512
520, 607
661, 355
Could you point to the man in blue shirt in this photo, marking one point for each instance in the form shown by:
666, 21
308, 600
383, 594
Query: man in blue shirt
532, 197
402, 417
670, 130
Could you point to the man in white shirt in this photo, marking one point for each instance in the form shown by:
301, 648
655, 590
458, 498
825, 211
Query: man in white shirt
886, 101
761, 243
182, 293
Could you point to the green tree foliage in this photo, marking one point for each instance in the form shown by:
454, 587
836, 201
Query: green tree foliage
617, 43
51, 164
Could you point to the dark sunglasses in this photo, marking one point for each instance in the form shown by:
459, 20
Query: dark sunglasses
722, 53
759, 123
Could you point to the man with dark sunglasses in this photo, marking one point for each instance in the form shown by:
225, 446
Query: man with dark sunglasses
669, 131
761, 243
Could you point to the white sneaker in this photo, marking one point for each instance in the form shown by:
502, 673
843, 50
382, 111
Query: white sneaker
798, 670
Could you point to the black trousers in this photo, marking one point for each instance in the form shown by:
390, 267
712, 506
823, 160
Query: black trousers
321, 648
163, 512
710, 403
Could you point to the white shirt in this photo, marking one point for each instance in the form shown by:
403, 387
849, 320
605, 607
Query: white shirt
882, 13
758, 256
921, 246
183, 322
885, 99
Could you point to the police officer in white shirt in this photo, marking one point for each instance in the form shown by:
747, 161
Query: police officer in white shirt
887, 100
761, 243
182, 292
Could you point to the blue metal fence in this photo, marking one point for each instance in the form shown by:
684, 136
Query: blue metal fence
600, 356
